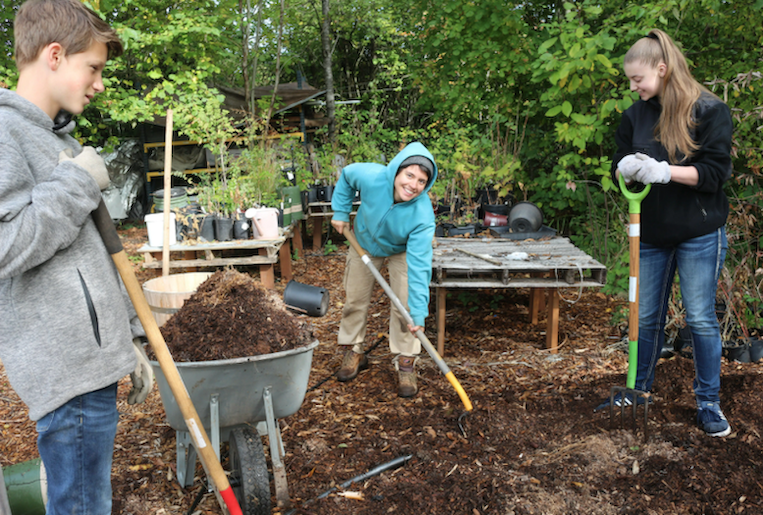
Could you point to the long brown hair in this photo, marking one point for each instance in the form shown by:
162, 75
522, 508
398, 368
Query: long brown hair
680, 91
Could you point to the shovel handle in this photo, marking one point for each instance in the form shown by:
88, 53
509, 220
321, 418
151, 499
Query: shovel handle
201, 441
399, 305
634, 197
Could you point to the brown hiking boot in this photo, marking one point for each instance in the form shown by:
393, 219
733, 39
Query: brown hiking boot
351, 365
406, 376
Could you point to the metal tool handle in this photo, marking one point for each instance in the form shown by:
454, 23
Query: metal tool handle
399, 305
201, 441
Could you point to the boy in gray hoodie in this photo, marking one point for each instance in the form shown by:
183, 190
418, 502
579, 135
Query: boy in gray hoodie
67, 329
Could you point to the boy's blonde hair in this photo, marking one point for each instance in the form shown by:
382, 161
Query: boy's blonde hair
67, 22
680, 91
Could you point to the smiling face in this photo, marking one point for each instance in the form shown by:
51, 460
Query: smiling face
78, 77
645, 80
409, 183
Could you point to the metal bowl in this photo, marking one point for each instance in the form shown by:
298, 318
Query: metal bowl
525, 217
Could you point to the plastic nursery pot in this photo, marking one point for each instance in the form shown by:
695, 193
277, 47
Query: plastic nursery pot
739, 353
241, 229
525, 217
223, 229
312, 300
207, 230
457, 231
756, 350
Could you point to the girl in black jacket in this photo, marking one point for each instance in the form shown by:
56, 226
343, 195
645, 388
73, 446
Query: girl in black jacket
677, 138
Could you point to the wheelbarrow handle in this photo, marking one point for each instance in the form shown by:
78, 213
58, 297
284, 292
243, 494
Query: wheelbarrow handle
401, 308
201, 441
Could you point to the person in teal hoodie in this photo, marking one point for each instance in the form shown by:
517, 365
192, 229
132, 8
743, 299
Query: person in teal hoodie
395, 221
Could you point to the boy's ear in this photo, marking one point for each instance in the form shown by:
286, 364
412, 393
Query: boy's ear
53, 54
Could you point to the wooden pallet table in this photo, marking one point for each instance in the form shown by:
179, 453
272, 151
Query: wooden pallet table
318, 212
544, 266
262, 253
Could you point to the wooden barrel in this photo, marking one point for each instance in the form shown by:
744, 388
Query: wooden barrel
166, 295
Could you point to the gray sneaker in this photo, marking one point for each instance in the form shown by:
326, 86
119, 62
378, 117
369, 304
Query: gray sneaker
711, 419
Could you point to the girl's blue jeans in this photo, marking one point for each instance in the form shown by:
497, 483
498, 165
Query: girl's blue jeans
76, 444
699, 262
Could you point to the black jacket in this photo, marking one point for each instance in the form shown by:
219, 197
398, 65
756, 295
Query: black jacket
673, 213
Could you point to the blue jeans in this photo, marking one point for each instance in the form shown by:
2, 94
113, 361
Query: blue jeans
76, 444
699, 262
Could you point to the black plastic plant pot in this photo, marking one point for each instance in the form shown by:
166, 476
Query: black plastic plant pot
304, 298
756, 350
325, 193
207, 230
739, 353
525, 217
312, 194
223, 229
457, 231
241, 229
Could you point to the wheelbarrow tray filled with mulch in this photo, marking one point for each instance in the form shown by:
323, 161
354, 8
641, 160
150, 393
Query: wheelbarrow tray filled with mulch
238, 397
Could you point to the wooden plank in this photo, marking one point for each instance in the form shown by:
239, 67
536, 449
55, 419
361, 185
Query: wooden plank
516, 282
216, 262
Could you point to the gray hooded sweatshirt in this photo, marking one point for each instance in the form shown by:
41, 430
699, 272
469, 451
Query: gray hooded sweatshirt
64, 321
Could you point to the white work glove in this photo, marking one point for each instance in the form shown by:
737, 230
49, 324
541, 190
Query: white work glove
91, 162
142, 377
628, 167
652, 171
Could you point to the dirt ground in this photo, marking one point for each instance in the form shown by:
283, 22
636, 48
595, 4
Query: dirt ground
531, 445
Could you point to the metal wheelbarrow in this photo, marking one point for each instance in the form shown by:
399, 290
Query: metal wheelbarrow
231, 395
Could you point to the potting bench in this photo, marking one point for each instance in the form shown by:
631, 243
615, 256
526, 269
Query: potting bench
263, 253
544, 265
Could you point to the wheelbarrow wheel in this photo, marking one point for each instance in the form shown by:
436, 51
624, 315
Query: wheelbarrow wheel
249, 472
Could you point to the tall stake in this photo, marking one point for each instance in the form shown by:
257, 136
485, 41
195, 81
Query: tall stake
167, 194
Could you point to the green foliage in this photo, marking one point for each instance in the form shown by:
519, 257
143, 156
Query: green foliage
329, 247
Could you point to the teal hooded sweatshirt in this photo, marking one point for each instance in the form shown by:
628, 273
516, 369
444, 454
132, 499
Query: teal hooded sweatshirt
384, 228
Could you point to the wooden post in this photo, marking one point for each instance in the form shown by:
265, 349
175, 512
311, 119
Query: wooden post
267, 275
167, 194
297, 239
441, 298
284, 258
317, 232
552, 321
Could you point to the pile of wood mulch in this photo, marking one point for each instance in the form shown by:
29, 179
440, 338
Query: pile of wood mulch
232, 315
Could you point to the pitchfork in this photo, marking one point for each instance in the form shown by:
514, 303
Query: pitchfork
634, 237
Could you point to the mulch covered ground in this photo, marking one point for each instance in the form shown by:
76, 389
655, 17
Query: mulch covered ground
531, 445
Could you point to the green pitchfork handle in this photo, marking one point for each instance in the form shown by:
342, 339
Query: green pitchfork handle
634, 237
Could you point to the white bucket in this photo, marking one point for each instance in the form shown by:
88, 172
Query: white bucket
155, 227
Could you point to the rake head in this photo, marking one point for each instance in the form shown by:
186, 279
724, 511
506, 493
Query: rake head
633, 396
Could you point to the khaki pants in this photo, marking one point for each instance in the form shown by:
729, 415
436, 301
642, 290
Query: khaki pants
359, 284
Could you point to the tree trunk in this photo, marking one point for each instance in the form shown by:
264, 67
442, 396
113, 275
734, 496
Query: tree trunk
326, 42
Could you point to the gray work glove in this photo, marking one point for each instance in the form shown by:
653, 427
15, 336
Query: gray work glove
628, 167
142, 377
91, 162
652, 171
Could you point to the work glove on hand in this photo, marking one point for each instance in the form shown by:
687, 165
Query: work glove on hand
90, 161
628, 167
652, 171
142, 377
